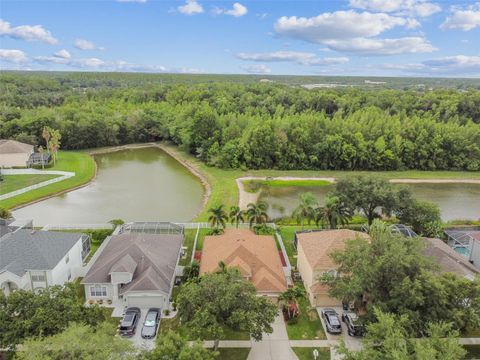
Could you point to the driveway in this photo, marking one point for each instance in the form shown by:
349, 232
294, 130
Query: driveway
352, 343
274, 346
138, 342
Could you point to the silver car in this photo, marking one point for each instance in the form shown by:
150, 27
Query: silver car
150, 325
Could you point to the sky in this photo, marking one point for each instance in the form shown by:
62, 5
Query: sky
315, 37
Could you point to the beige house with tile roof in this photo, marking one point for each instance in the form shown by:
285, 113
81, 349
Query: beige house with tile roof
14, 153
256, 256
314, 249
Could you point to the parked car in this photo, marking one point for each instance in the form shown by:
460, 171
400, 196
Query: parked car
332, 321
129, 322
150, 325
354, 327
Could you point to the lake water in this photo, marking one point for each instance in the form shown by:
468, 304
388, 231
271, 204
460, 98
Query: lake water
456, 201
144, 184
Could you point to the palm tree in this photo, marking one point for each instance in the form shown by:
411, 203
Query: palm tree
305, 209
191, 271
218, 217
222, 267
257, 213
46, 135
334, 212
40, 150
236, 215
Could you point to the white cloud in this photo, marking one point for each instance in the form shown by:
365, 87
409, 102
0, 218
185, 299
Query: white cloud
465, 19
88, 63
121, 65
365, 46
64, 54
13, 56
237, 10
339, 25
191, 7
354, 32
132, 1
421, 8
256, 69
83, 44
303, 58
27, 32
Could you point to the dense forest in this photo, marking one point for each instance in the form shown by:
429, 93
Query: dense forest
248, 123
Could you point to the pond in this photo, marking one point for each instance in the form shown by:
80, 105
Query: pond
456, 201
143, 184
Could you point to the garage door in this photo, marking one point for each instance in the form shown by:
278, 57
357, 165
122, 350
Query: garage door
144, 302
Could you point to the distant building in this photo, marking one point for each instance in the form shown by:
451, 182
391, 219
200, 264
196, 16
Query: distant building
35, 259
256, 256
14, 153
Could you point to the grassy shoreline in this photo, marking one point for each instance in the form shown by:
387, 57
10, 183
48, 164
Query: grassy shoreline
224, 188
79, 162
12, 183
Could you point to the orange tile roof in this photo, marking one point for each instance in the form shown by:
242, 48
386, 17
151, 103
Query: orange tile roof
318, 245
255, 255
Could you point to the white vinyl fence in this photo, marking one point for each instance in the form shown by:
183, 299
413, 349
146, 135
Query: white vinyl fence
62, 175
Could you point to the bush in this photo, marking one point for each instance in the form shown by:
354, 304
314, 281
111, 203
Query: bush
216, 231
263, 229
293, 320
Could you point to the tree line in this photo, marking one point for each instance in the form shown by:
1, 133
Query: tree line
252, 125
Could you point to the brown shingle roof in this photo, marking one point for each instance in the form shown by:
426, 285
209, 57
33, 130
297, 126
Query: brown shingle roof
318, 245
448, 259
152, 257
13, 146
255, 255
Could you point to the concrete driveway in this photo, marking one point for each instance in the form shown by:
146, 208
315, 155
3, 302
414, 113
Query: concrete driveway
138, 342
274, 346
352, 343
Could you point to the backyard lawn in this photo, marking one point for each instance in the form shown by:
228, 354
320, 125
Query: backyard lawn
15, 182
306, 353
288, 237
309, 326
79, 162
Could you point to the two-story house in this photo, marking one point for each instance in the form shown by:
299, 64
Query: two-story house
35, 259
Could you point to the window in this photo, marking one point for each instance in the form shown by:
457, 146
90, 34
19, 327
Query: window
98, 290
67, 259
38, 277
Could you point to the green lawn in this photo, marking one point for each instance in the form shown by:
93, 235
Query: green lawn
288, 237
201, 237
225, 191
174, 325
308, 326
306, 353
188, 242
473, 351
253, 185
79, 162
233, 353
15, 182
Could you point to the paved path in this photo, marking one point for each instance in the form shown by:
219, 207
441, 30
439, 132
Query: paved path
274, 346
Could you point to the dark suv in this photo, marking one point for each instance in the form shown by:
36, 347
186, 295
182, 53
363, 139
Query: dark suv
332, 322
129, 322
351, 320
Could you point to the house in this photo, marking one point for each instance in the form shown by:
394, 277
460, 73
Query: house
14, 153
449, 260
35, 259
135, 269
256, 256
314, 249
